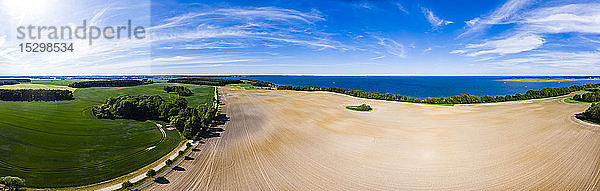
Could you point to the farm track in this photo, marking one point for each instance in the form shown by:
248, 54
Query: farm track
283, 140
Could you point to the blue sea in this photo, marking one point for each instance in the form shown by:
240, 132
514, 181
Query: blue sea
420, 86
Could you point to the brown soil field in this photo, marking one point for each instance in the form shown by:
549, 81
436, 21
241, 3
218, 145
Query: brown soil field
286, 140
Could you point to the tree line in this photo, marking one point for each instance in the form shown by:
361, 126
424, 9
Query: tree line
8, 82
109, 83
457, 99
35, 95
179, 90
591, 114
187, 120
206, 81
259, 83
588, 97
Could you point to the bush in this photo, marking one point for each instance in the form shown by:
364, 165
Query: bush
588, 97
12, 183
188, 145
181, 153
591, 114
179, 90
151, 173
169, 162
127, 184
362, 107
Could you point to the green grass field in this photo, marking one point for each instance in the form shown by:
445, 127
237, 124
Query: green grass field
60, 144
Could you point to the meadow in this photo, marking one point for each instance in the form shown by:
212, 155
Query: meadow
61, 144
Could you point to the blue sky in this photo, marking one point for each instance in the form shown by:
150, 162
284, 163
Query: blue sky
335, 37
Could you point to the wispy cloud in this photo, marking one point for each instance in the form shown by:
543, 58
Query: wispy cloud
401, 7
513, 44
531, 39
498, 16
434, 20
392, 47
227, 26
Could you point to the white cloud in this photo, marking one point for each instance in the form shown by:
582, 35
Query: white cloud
435, 21
427, 50
253, 26
392, 47
581, 18
498, 16
377, 58
401, 8
514, 44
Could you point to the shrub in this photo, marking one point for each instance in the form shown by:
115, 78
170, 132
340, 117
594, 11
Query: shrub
364, 107
181, 153
591, 114
12, 183
169, 162
151, 173
588, 97
127, 184
179, 90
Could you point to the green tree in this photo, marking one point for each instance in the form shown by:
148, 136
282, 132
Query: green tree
151, 173
12, 183
169, 162
127, 184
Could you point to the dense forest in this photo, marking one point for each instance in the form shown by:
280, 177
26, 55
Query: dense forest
588, 97
206, 81
457, 99
109, 83
35, 95
8, 82
591, 114
187, 120
179, 90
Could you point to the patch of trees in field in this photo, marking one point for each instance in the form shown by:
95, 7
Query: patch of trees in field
457, 99
35, 95
8, 82
179, 90
362, 107
109, 83
591, 114
206, 81
588, 97
187, 120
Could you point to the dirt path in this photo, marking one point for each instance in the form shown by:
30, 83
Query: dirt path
283, 140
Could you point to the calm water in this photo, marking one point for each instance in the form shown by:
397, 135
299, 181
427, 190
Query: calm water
420, 86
